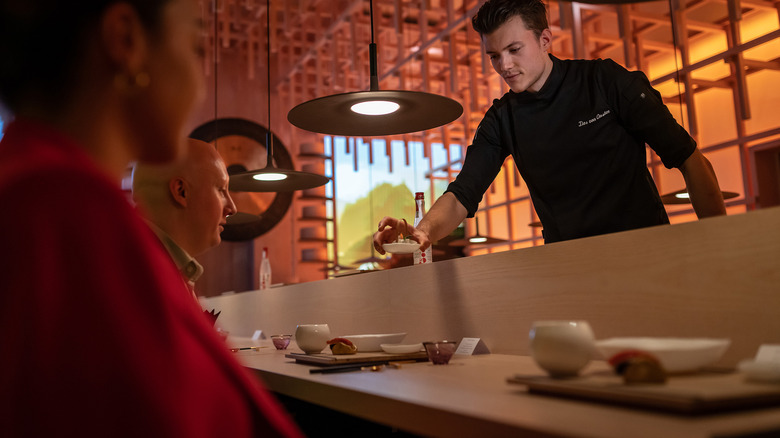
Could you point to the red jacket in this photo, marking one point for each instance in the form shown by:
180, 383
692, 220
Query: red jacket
100, 336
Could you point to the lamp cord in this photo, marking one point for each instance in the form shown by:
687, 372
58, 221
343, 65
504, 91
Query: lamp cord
269, 141
672, 12
373, 70
371, 17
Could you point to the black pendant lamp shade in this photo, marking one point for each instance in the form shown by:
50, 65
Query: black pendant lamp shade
333, 114
681, 197
270, 178
383, 112
613, 2
274, 179
477, 239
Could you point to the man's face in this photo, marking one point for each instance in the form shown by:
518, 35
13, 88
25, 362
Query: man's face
519, 56
209, 205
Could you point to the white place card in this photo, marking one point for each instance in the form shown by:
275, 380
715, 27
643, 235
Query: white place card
470, 346
258, 335
768, 353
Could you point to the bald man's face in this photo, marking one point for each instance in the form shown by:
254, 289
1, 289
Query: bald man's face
208, 203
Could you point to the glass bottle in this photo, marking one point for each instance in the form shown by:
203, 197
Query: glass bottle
420, 257
265, 271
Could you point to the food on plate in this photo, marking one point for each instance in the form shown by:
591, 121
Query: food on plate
404, 239
342, 346
638, 366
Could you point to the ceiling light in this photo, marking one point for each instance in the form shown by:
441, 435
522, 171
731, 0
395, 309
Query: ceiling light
477, 239
271, 179
375, 107
336, 115
682, 197
271, 176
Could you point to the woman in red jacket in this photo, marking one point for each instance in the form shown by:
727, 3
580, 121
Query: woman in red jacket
100, 335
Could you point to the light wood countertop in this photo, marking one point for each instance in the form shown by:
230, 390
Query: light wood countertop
470, 397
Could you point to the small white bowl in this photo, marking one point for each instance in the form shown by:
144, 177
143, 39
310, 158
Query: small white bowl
401, 247
401, 348
368, 343
677, 355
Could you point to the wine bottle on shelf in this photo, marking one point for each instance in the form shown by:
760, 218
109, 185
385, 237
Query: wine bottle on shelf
420, 257
265, 271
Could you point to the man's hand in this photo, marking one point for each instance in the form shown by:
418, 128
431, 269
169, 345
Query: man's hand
390, 228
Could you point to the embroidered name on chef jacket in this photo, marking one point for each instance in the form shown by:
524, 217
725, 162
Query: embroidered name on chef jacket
582, 123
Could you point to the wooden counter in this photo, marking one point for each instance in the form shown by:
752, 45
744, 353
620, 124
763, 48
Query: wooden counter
719, 277
470, 398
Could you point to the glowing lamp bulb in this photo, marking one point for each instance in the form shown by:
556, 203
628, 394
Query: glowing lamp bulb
271, 176
375, 107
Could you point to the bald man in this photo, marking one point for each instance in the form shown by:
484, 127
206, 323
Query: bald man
186, 203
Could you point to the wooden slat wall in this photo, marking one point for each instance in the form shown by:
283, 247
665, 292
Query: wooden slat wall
320, 47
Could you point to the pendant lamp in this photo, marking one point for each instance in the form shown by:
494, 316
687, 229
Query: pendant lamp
375, 112
270, 178
477, 239
613, 2
682, 197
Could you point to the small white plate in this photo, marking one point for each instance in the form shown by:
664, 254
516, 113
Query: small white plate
401, 248
401, 348
366, 343
760, 371
677, 355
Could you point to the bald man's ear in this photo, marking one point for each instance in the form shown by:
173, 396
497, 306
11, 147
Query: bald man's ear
179, 191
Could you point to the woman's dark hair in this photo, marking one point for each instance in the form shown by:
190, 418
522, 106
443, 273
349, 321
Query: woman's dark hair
41, 43
494, 13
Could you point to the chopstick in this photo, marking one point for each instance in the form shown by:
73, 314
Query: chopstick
235, 349
345, 368
361, 366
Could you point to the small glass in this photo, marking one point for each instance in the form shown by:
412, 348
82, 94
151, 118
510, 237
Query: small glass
440, 352
281, 341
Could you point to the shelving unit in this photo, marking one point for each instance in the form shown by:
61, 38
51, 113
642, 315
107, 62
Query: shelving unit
317, 230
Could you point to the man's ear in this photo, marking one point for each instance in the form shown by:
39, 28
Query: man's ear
545, 39
179, 190
124, 38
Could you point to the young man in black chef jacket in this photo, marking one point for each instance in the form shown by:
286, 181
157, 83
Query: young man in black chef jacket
577, 131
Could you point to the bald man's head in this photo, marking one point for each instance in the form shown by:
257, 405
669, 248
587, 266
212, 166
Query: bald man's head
188, 199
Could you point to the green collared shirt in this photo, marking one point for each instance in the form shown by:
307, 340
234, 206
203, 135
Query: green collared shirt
188, 266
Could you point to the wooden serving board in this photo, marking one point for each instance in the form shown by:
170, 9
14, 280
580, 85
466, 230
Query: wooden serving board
328, 359
690, 394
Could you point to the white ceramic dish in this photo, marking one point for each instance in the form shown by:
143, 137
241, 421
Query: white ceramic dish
401, 348
400, 248
677, 355
760, 371
368, 343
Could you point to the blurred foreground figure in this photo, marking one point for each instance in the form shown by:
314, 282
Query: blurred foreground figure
100, 335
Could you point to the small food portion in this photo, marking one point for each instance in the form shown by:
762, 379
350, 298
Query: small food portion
403, 244
638, 366
342, 346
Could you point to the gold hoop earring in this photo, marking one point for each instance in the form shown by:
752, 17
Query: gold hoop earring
125, 82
